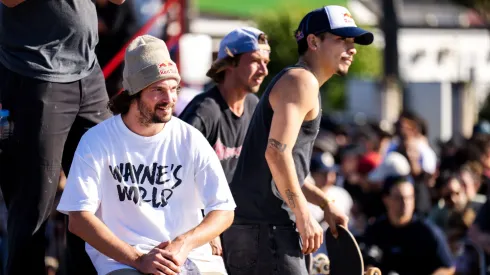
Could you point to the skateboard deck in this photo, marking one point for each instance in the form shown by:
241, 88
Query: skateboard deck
344, 255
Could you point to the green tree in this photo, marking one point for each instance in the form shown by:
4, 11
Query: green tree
280, 26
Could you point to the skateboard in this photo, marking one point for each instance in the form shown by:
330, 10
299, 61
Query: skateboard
344, 256
321, 264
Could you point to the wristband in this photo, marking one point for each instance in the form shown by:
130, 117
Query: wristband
327, 201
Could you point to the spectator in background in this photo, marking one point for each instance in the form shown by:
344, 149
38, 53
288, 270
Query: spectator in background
116, 25
470, 174
401, 242
454, 213
223, 113
481, 130
413, 144
481, 145
52, 83
347, 172
370, 201
479, 232
324, 176
384, 136
410, 131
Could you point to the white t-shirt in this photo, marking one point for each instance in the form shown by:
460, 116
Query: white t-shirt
428, 158
147, 190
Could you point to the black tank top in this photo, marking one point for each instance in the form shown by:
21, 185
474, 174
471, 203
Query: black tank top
257, 198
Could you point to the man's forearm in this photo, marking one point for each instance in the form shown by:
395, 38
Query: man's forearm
11, 3
93, 231
283, 172
314, 194
213, 224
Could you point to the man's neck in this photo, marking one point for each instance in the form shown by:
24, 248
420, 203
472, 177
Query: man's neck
234, 97
312, 63
131, 121
399, 223
324, 188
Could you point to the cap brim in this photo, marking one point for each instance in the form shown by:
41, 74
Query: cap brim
360, 36
217, 67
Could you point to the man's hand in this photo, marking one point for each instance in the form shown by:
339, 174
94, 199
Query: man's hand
334, 216
176, 251
157, 262
216, 247
311, 233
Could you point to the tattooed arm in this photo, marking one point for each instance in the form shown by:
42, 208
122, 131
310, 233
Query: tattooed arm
293, 98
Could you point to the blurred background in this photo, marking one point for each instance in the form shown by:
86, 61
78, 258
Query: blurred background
425, 77
431, 56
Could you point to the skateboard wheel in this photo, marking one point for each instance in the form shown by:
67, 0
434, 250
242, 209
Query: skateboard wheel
373, 271
321, 264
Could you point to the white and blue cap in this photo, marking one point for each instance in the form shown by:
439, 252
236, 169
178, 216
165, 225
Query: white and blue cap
238, 41
241, 40
333, 19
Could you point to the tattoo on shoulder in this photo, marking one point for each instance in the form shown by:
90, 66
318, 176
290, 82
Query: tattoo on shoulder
291, 195
277, 145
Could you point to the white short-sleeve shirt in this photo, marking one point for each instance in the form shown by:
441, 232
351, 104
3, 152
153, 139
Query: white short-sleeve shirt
146, 190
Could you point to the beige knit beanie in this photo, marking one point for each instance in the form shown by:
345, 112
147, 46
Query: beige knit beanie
147, 61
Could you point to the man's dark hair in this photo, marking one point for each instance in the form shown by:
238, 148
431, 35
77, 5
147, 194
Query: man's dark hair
410, 115
119, 103
303, 43
217, 72
392, 181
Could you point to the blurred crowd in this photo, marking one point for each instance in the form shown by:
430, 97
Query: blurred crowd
358, 165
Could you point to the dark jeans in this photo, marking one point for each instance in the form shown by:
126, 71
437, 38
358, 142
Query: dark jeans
49, 120
262, 249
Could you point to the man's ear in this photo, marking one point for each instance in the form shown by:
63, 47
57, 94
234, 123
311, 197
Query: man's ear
311, 40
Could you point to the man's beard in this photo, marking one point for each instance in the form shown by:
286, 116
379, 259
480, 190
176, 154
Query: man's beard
148, 116
341, 72
252, 88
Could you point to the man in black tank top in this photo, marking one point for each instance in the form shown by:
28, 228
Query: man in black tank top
223, 113
273, 228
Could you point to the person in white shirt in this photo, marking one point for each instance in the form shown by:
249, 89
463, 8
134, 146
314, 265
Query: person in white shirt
139, 180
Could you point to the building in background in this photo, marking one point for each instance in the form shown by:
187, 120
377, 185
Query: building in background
444, 63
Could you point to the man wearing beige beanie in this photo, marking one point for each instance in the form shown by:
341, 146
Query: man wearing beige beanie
139, 179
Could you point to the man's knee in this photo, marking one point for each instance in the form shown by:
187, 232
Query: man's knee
126, 271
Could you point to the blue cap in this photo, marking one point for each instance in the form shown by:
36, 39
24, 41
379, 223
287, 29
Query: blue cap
482, 127
322, 163
333, 19
4, 113
241, 40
